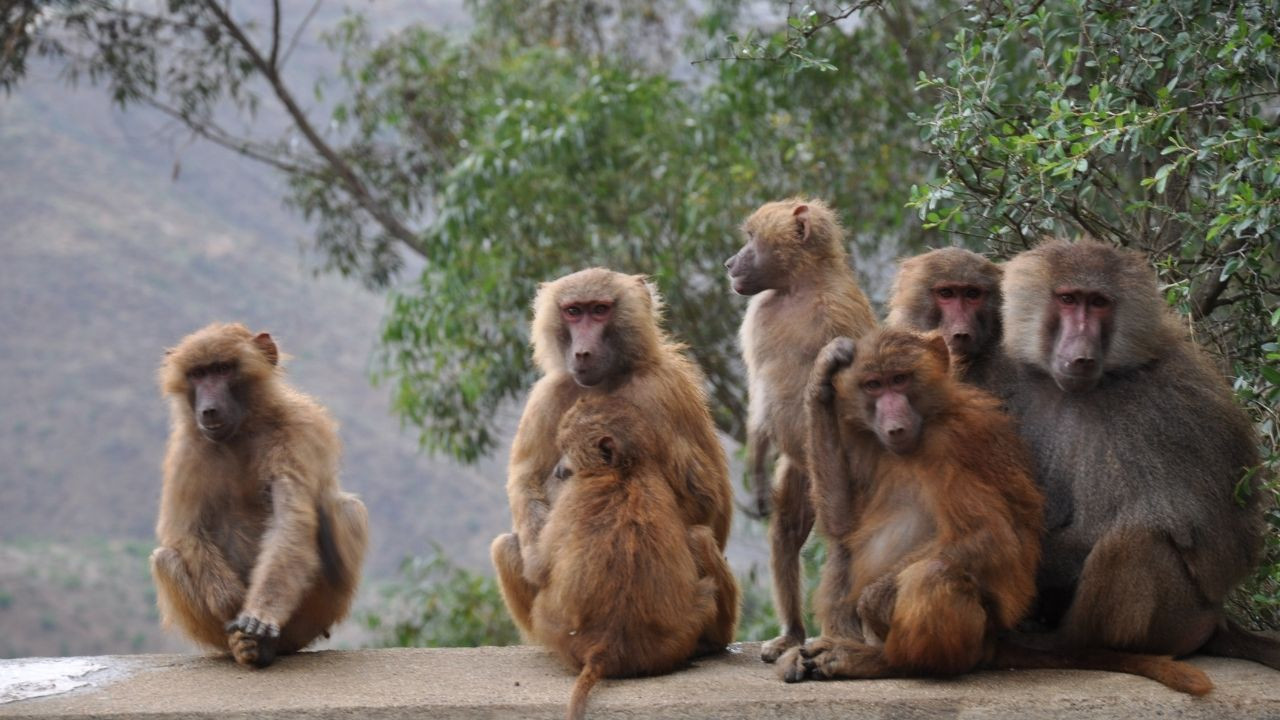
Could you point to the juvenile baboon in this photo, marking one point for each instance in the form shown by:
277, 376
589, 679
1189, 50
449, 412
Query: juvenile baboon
595, 332
260, 551
626, 588
932, 520
956, 292
1142, 454
804, 293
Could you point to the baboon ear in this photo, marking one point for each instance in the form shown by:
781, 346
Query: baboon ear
801, 214
935, 344
608, 449
267, 347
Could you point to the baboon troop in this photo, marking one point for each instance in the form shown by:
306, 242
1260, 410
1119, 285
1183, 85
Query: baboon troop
803, 293
260, 550
924, 494
1031, 465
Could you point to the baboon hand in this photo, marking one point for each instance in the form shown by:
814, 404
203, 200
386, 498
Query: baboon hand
253, 626
837, 355
253, 640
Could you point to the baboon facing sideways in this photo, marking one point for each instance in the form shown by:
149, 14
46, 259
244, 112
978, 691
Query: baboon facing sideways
803, 294
260, 551
1140, 449
625, 588
596, 333
933, 523
956, 292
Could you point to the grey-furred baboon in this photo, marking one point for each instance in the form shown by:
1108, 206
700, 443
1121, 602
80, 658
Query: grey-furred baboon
1141, 451
956, 292
803, 294
260, 550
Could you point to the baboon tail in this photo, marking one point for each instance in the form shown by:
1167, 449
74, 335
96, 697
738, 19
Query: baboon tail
342, 534
1177, 675
587, 679
330, 558
1231, 640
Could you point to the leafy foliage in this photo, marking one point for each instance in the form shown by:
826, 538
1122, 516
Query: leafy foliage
1152, 125
435, 603
550, 139
531, 161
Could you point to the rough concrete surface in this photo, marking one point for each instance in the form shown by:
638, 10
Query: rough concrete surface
526, 682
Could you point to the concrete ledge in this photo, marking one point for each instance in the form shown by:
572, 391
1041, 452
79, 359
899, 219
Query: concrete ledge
526, 682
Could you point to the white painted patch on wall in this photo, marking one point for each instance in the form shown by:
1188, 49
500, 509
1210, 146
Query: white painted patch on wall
25, 679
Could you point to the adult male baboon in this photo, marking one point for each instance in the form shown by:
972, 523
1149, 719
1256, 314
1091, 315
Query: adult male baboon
1141, 452
595, 332
804, 293
956, 292
626, 588
260, 551
932, 520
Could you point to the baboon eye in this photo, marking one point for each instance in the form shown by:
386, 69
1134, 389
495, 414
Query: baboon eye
873, 385
600, 309
973, 293
899, 379
1099, 301
946, 293
1067, 299
573, 311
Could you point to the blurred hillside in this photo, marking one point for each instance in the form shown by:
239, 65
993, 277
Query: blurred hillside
109, 252
118, 235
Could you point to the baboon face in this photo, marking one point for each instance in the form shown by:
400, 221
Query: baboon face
750, 269
217, 369
217, 399
962, 320
894, 377
591, 353
1083, 319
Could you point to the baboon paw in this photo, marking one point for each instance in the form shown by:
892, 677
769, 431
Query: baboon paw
791, 666
837, 355
252, 650
773, 649
824, 665
253, 640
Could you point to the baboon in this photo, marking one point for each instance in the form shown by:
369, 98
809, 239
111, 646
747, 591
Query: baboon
1142, 454
260, 551
626, 588
595, 332
932, 520
956, 292
803, 294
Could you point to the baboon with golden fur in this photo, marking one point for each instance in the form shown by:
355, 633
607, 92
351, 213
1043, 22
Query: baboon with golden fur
260, 551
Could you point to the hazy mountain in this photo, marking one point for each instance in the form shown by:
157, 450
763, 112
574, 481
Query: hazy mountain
118, 235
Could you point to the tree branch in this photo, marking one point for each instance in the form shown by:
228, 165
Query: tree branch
297, 33
351, 182
1205, 298
275, 36
216, 135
